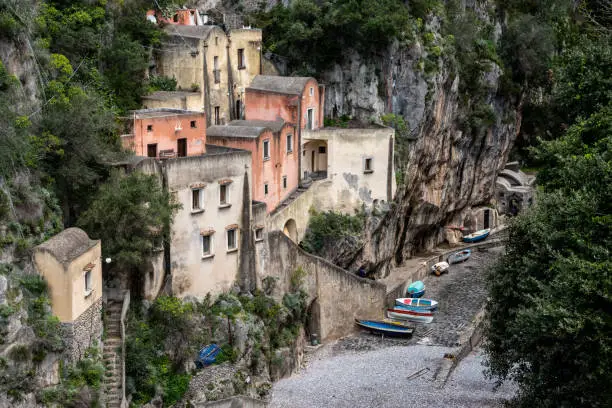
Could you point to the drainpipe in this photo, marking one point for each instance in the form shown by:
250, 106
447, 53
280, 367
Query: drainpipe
230, 81
206, 90
299, 138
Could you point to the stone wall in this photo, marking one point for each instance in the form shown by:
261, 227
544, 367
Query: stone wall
335, 296
84, 332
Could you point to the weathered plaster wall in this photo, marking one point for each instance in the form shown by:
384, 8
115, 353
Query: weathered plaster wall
349, 184
268, 106
217, 92
336, 296
193, 274
182, 58
248, 39
192, 102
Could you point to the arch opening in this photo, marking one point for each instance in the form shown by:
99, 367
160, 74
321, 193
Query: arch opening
290, 230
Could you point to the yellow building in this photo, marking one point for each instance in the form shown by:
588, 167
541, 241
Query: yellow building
70, 264
219, 66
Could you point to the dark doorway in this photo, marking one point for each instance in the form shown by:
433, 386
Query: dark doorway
487, 214
309, 119
238, 109
181, 147
312, 162
152, 150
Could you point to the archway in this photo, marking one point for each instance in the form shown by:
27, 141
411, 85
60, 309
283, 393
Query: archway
290, 230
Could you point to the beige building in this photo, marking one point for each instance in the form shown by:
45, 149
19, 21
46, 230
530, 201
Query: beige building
70, 263
217, 66
356, 164
191, 101
211, 234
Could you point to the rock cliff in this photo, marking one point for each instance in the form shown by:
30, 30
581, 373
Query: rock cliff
446, 167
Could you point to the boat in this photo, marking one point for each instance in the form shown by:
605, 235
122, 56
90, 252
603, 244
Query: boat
402, 313
417, 303
440, 268
386, 327
460, 256
415, 290
477, 236
207, 355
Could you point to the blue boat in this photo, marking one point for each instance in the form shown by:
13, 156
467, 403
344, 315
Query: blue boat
385, 327
415, 290
207, 356
477, 236
416, 303
460, 256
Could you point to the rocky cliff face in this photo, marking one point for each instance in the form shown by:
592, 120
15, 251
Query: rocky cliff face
446, 168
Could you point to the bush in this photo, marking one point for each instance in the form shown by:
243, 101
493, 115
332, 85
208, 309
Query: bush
329, 226
161, 83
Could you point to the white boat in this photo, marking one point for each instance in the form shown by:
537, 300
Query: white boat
401, 313
417, 303
440, 268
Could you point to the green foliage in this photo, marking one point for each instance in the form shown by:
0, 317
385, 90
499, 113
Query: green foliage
328, 226
314, 35
548, 316
161, 83
86, 374
129, 212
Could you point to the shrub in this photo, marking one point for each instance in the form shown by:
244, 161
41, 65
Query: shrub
329, 226
161, 83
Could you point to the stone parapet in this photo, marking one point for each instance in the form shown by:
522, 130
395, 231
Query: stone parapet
84, 332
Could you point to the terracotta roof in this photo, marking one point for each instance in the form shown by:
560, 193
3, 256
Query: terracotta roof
161, 112
250, 132
187, 31
68, 244
279, 84
274, 126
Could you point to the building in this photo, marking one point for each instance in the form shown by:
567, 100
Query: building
70, 263
274, 155
211, 235
514, 190
164, 132
180, 17
217, 65
185, 100
357, 164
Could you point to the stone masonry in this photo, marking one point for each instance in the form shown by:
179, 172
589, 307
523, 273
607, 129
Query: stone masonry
84, 332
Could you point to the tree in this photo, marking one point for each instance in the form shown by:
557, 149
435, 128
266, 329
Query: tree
131, 214
549, 322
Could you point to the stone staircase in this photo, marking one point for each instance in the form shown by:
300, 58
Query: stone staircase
112, 355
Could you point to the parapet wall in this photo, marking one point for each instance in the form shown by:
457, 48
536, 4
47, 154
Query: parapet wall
336, 297
84, 332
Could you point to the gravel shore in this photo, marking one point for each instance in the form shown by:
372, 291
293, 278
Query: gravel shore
365, 370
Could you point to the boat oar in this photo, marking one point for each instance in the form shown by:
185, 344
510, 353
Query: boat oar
417, 374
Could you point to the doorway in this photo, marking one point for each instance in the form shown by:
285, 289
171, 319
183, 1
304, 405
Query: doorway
487, 214
309, 119
312, 162
181, 147
152, 150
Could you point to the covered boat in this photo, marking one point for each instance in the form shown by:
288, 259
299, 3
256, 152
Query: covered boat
415, 289
385, 327
440, 268
401, 313
207, 356
460, 256
477, 236
417, 303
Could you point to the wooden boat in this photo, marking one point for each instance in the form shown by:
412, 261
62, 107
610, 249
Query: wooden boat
385, 327
401, 313
477, 236
417, 303
460, 256
440, 268
415, 290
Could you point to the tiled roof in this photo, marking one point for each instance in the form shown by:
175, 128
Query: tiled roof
251, 132
67, 245
279, 84
161, 112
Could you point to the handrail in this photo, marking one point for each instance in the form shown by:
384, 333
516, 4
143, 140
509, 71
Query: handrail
124, 309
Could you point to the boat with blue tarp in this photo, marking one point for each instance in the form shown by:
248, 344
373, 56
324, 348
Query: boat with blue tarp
207, 355
417, 303
415, 289
387, 327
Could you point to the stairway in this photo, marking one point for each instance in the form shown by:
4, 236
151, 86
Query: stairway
112, 355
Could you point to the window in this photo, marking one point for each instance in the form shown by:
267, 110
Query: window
367, 165
152, 150
259, 234
232, 241
266, 149
207, 245
310, 119
241, 64
285, 182
289, 143
193, 124
217, 115
224, 194
216, 70
197, 198
149, 128
238, 109
322, 149
266, 189
88, 287
311, 91
181, 147
216, 40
